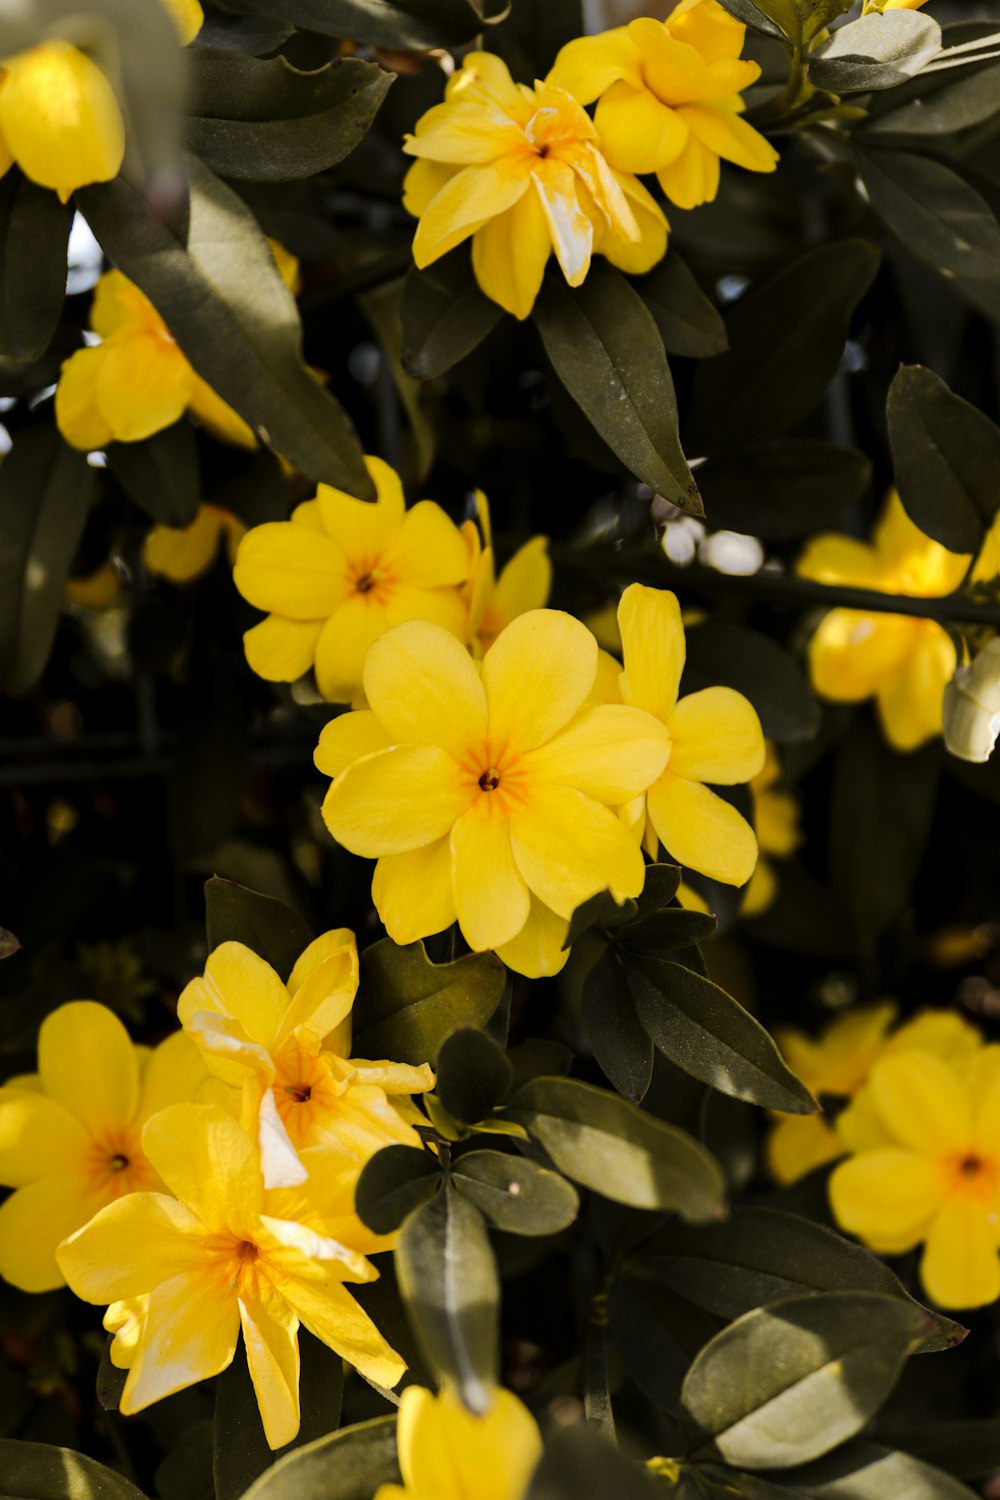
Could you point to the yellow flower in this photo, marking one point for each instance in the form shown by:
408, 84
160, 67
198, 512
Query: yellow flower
937, 1180
486, 791
901, 661
524, 582
776, 823
184, 553
183, 1275
340, 573
520, 171
70, 1134
669, 99
714, 736
59, 118
283, 1052
96, 590
447, 1453
137, 381
838, 1063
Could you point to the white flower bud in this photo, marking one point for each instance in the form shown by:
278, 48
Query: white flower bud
971, 709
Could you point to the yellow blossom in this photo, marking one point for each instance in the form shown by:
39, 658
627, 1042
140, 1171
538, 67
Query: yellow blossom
936, 1180
137, 381
524, 582
486, 791
282, 1054
447, 1453
520, 171
183, 553
900, 660
96, 590
838, 1063
714, 737
70, 1135
776, 824
669, 97
340, 573
184, 1274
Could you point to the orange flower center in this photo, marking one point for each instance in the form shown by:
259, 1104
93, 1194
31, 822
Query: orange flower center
304, 1089
370, 581
975, 1177
496, 774
116, 1166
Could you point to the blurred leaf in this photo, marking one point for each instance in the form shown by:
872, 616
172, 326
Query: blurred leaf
605, 347
408, 1005
879, 51
786, 1383
516, 1195
581, 1464
689, 322
274, 932
655, 1333
617, 1038
968, 1447
614, 1148
218, 290
473, 1075
393, 1182
448, 1279
34, 234
161, 473
538, 1057
265, 121
710, 1035
784, 489
786, 341
967, 97
381, 306
45, 492
732, 655
529, 37
186, 1471
41, 1471
935, 213
110, 1380
946, 456
402, 25
444, 314
350, 1464
9, 944
867, 1471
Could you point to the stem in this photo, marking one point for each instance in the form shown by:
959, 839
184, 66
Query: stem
596, 1392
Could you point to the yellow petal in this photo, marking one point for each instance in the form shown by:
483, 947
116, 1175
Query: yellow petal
173, 1072
588, 66
465, 202
119, 305
34, 1220
343, 645
130, 1247
700, 830
570, 230
412, 892
639, 255
448, 1452
398, 799
183, 553
88, 1063
444, 607
281, 650
509, 255
887, 1194
322, 985
693, 178
654, 649
346, 739
424, 688
143, 385
362, 529
187, 16
537, 951
463, 134
491, 898
526, 581
922, 566
830, 558
762, 889
960, 1267
922, 1103
216, 416
422, 182
60, 118
239, 985
208, 1162
717, 737
332, 1315
537, 675
78, 415
638, 133
189, 1333
730, 137
270, 1337
852, 654
611, 753
428, 549
38, 1137
798, 1143
943, 1032
291, 570
568, 848
910, 700
712, 31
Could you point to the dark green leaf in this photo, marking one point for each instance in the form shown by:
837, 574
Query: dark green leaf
936, 214
110, 1380
601, 910
709, 1034
161, 473
392, 1183
234, 914
445, 315
34, 234
724, 652
538, 1057
969, 1448
617, 1039
764, 18
219, 292
264, 121
186, 1471
402, 25
606, 349
45, 493
786, 1383
516, 1195
381, 306
781, 490
473, 1075
580, 1464
41, 1471
868, 1471
350, 1464
946, 455
688, 321
966, 97
660, 888
786, 340
448, 1279
613, 1147
666, 930
408, 1005
656, 1334
879, 51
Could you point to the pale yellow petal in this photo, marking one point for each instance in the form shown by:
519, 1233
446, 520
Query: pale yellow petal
189, 1333
730, 137
270, 1337
216, 416
78, 415
716, 737
568, 847
322, 985
466, 201
798, 1143
281, 650
34, 1220
173, 1072
399, 799
412, 892
698, 829
332, 1315
588, 66
88, 1063
347, 738
131, 1246
693, 178
38, 1137
181, 553
424, 688
491, 898
910, 699
537, 675
923, 1103
526, 580
209, 1162
887, 1194
638, 133
344, 642
832, 558
851, 654
238, 984
611, 753
187, 16
428, 549
291, 570
960, 1266
537, 951
654, 648
60, 119
570, 228
509, 255
143, 385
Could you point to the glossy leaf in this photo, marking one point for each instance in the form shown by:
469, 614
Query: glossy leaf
935, 213
393, 1182
515, 1194
667, 930
350, 1464
619, 1042
878, 51
42, 1471
966, 97
473, 1075
764, 18
34, 234
408, 1005
445, 315
274, 932
868, 1471
161, 473
402, 25
784, 489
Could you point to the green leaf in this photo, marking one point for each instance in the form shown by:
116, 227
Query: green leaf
655, 1333
764, 18
614, 1148
786, 1383
9, 944
239, 1448
661, 887
868, 1471
531, 34
669, 929
946, 455
785, 489
448, 1280
185, 1473
45, 492
709, 1034
606, 349
581, 1464
688, 321
110, 1380
516, 1195
41, 1471
161, 473
217, 288
408, 1005
393, 1182
350, 1464
964, 98
34, 234
935, 213
445, 315
234, 914
473, 1075
381, 306
968, 1447
617, 1039
786, 341
402, 25
727, 653
879, 51
265, 121
601, 910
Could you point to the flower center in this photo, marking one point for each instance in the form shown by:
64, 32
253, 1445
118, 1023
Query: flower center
970, 1166
118, 1162
300, 1092
489, 780
365, 585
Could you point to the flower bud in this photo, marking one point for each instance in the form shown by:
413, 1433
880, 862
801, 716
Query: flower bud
971, 709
